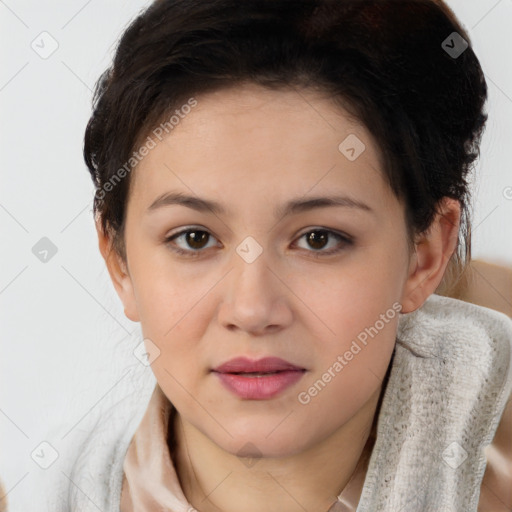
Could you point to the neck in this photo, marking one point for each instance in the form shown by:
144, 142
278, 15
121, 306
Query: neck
211, 478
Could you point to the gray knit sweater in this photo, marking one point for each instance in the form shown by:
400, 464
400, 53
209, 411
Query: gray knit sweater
450, 379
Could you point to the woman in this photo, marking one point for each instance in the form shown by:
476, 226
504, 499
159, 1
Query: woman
280, 188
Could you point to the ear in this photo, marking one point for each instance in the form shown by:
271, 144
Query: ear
119, 274
433, 250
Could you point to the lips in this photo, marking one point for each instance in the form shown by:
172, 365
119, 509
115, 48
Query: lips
263, 379
266, 365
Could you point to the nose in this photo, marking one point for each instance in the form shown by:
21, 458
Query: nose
255, 298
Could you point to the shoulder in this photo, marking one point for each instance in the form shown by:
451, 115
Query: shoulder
496, 488
490, 285
87, 474
476, 342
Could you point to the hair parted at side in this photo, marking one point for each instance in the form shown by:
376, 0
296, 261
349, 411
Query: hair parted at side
383, 61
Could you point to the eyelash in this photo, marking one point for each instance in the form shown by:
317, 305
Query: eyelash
345, 239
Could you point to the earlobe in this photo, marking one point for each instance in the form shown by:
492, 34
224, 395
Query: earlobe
119, 274
433, 250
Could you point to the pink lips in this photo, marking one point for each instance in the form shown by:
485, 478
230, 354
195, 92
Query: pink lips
258, 380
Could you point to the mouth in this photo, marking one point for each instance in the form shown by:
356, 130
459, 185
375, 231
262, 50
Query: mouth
258, 380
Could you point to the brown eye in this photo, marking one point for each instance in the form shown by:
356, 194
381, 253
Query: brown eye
318, 239
196, 239
192, 241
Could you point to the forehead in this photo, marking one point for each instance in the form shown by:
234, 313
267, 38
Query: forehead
277, 141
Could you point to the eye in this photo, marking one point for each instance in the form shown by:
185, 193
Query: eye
193, 238
196, 239
319, 238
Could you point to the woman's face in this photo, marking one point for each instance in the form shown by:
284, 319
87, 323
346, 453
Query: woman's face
318, 285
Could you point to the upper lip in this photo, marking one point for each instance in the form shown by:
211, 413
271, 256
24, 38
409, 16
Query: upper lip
246, 365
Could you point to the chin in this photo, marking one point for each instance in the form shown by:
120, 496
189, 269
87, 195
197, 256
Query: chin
256, 442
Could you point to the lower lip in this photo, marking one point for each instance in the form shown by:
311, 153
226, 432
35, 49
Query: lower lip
259, 388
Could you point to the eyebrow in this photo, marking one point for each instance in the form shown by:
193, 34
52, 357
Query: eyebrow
291, 207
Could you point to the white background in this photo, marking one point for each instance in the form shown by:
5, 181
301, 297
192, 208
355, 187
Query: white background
66, 341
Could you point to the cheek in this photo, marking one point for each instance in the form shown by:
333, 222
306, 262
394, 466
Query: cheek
348, 373
350, 369
340, 302
175, 306
171, 321
166, 296
359, 314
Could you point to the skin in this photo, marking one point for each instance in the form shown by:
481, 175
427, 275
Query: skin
251, 150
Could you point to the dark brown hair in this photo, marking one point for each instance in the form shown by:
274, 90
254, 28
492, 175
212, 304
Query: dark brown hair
392, 64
